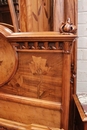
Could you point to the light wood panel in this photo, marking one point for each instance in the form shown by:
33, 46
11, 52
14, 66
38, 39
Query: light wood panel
31, 83
29, 114
13, 125
35, 15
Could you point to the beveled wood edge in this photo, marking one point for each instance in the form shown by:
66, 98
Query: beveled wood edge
5, 31
5, 123
8, 26
12, 124
31, 101
40, 36
38, 51
35, 36
80, 109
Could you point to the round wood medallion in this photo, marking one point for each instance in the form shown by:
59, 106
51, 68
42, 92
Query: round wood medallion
8, 61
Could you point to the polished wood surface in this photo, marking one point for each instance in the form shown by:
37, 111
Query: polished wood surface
35, 17
39, 92
13, 15
12, 125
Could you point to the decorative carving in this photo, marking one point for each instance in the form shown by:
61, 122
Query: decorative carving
67, 27
41, 46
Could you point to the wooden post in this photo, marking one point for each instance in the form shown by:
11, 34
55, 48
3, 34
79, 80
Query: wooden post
13, 15
66, 86
70, 9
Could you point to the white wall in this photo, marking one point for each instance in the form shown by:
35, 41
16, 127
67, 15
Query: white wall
82, 47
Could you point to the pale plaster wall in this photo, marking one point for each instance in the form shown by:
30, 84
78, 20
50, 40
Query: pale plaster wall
82, 47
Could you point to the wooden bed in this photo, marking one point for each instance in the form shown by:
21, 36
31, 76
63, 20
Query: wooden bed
38, 66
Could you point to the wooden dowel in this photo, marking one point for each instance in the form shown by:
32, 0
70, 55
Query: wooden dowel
13, 15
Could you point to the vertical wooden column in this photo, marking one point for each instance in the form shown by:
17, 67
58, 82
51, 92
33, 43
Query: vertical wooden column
66, 86
75, 45
70, 9
13, 15
58, 14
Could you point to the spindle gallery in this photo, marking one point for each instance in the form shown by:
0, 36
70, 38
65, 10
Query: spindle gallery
38, 45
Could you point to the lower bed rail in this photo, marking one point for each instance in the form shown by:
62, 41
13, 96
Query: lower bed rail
11, 125
30, 111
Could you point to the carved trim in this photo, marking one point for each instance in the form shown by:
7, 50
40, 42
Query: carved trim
66, 47
67, 27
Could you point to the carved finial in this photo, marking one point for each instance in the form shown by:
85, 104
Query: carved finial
67, 27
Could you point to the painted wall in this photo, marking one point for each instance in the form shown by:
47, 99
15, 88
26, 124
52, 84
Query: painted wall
82, 47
